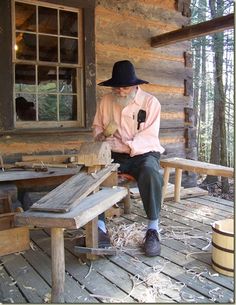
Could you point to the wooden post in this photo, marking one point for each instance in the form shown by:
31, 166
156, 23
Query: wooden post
178, 178
165, 185
91, 236
58, 265
127, 203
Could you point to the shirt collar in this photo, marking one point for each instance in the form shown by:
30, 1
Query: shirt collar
138, 97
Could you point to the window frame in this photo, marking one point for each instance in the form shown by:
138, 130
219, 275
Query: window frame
7, 115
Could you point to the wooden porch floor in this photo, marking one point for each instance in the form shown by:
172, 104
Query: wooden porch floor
182, 274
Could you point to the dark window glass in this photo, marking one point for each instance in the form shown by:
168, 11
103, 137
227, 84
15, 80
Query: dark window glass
47, 79
25, 107
67, 80
68, 24
25, 78
48, 48
47, 107
26, 46
47, 20
69, 50
25, 17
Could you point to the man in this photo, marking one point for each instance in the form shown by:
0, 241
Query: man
129, 120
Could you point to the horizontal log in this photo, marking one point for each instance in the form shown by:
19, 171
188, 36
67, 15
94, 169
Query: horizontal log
189, 32
114, 52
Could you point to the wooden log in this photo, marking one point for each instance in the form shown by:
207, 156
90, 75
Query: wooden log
48, 158
58, 265
189, 32
38, 165
94, 153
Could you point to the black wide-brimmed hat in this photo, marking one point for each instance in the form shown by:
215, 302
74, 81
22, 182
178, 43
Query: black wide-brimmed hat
123, 75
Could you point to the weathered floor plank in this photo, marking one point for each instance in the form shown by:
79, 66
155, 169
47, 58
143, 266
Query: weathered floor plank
183, 270
98, 286
9, 291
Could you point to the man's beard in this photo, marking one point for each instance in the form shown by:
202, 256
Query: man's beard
123, 101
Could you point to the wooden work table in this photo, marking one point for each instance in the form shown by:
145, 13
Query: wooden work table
28, 179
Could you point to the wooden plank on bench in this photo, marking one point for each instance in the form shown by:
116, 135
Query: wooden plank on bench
88, 209
70, 193
198, 167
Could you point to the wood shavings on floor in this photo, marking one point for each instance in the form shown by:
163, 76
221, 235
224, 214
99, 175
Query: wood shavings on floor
127, 235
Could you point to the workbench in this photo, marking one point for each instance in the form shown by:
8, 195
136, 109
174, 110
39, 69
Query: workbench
73, 204
180, 165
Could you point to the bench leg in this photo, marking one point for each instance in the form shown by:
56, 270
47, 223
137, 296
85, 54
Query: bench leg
166, 180
58, 265
178, 178
91, 238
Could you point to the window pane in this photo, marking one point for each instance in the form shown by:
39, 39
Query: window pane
25, 107
67, 80
47, 79
25, 78
26, 46
25, 17
47, 107
68, 24
68, 107
48, 48
47, 20
69, 50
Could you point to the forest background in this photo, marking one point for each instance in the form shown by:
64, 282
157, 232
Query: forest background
213, 90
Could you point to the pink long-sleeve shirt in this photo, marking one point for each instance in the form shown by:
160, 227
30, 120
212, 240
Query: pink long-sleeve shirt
127, 138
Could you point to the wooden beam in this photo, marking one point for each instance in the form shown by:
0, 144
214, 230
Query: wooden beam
189, 32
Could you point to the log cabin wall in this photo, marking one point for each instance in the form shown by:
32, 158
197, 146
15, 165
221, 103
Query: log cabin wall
123, 30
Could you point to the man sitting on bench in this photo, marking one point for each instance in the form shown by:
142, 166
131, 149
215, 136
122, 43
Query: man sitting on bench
129, 120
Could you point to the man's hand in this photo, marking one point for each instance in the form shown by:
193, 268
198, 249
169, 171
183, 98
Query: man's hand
100, 137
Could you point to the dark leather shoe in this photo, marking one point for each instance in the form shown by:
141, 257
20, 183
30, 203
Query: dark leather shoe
152, 245
103, 239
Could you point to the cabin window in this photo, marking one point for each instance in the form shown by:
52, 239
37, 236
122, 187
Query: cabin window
48, 65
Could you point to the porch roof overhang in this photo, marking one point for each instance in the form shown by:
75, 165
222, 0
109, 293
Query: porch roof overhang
215, 25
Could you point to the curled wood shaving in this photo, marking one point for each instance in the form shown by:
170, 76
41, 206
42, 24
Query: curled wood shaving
29, 287
47, 298
192, 253
215, 293
90, 269
33, 246
9, 299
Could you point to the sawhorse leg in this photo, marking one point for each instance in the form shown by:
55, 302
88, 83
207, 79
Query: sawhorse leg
58, 265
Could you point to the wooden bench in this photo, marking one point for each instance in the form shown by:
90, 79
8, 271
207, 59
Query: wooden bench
180, 164
71, 205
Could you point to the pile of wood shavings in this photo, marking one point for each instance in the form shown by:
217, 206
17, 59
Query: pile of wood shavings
126, 235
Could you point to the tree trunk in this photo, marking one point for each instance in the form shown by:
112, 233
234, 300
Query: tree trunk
219, 143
